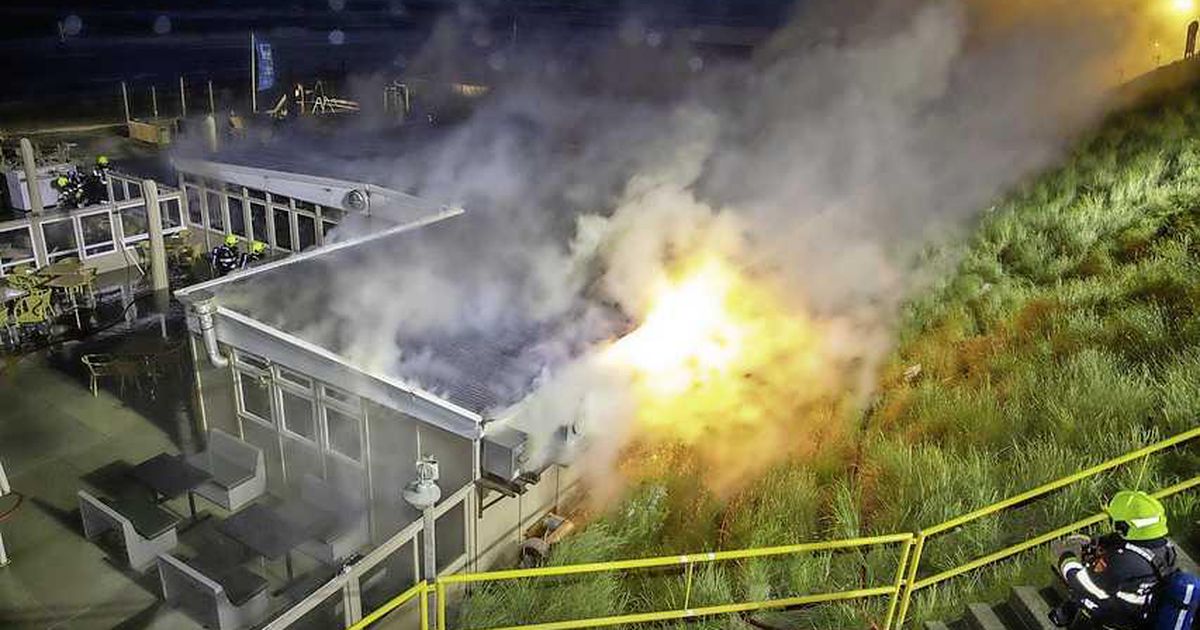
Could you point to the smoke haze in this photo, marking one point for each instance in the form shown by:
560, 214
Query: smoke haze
859, 134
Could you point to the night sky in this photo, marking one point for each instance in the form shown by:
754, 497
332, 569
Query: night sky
56, 50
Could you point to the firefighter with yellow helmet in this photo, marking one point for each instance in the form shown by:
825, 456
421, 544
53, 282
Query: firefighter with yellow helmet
1112, 579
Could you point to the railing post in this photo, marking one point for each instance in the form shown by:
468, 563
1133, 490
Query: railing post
440, 593
687, 593
898, 583
424, 601
910, 580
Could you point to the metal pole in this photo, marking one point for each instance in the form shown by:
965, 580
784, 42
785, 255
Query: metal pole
4, 489
430, 569
154, 100
210, 132
182, 98
158, 250
212, 104
125, 100
253, 77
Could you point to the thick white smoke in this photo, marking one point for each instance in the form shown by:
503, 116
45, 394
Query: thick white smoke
855, 137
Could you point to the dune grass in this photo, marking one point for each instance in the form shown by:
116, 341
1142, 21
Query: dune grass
1066, 333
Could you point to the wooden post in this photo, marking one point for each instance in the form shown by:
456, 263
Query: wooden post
158, 251
182, 98
31, 176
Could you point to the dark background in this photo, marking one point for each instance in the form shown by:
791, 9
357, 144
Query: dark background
209, 40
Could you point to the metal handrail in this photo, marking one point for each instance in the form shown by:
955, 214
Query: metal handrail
912, 583
903, 586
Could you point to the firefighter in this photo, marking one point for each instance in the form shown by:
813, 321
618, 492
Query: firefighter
70, 191
96, 185
226, 257
258, 250
1112, 579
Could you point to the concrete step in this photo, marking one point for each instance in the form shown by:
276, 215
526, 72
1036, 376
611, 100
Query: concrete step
1029, 607
982, 617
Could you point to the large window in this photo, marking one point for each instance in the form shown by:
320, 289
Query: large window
134, 222
60, 238
98, 233
306, 229
283, 229
216, 216
170, 213
237, 216
256, 395
298, 416
195, 211
16, 247
258, 223
344, 433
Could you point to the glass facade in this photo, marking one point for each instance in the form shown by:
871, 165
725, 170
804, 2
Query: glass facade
285, 224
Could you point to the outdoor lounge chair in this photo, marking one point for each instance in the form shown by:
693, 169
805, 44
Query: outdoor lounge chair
227, 600
238, 469
146, 529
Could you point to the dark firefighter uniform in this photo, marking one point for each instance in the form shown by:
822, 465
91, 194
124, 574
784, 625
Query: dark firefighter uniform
1112, 579
226, 257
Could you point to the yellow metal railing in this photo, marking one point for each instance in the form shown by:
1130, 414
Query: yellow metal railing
907, 578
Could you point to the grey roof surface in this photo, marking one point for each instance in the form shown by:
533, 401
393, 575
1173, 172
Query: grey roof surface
361, 156
480, 366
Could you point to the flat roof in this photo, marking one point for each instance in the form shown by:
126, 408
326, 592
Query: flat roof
345, 302
348, 153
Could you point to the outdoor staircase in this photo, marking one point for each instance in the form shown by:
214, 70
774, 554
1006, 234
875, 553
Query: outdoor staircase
1026, 608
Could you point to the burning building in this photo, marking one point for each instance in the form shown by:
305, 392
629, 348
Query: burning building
278, 365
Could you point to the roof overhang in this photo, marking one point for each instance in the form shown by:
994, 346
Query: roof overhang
379, 201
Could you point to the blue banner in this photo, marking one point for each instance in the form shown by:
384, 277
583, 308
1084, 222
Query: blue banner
266, 65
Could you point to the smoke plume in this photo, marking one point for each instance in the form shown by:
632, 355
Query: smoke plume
816, 170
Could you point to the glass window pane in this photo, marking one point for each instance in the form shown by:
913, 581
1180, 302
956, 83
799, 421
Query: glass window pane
279, 199
307, 228
305, 205
16, 246
341, 396
233, 188
118, 189
298, 415
195, 213
296, 379
134, 221
170, 213
344, 434
258, 223
252, 360
334, 215
256, 194
135, 190
256, 395
237, 218
327, 229
216, 218
97, 233
283, 229
60, 237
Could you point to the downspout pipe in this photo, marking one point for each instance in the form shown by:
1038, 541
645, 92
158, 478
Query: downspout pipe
204, 307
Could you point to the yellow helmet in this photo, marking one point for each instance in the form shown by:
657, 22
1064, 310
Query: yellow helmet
61, 181
102, 160
258, 247
231, 240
